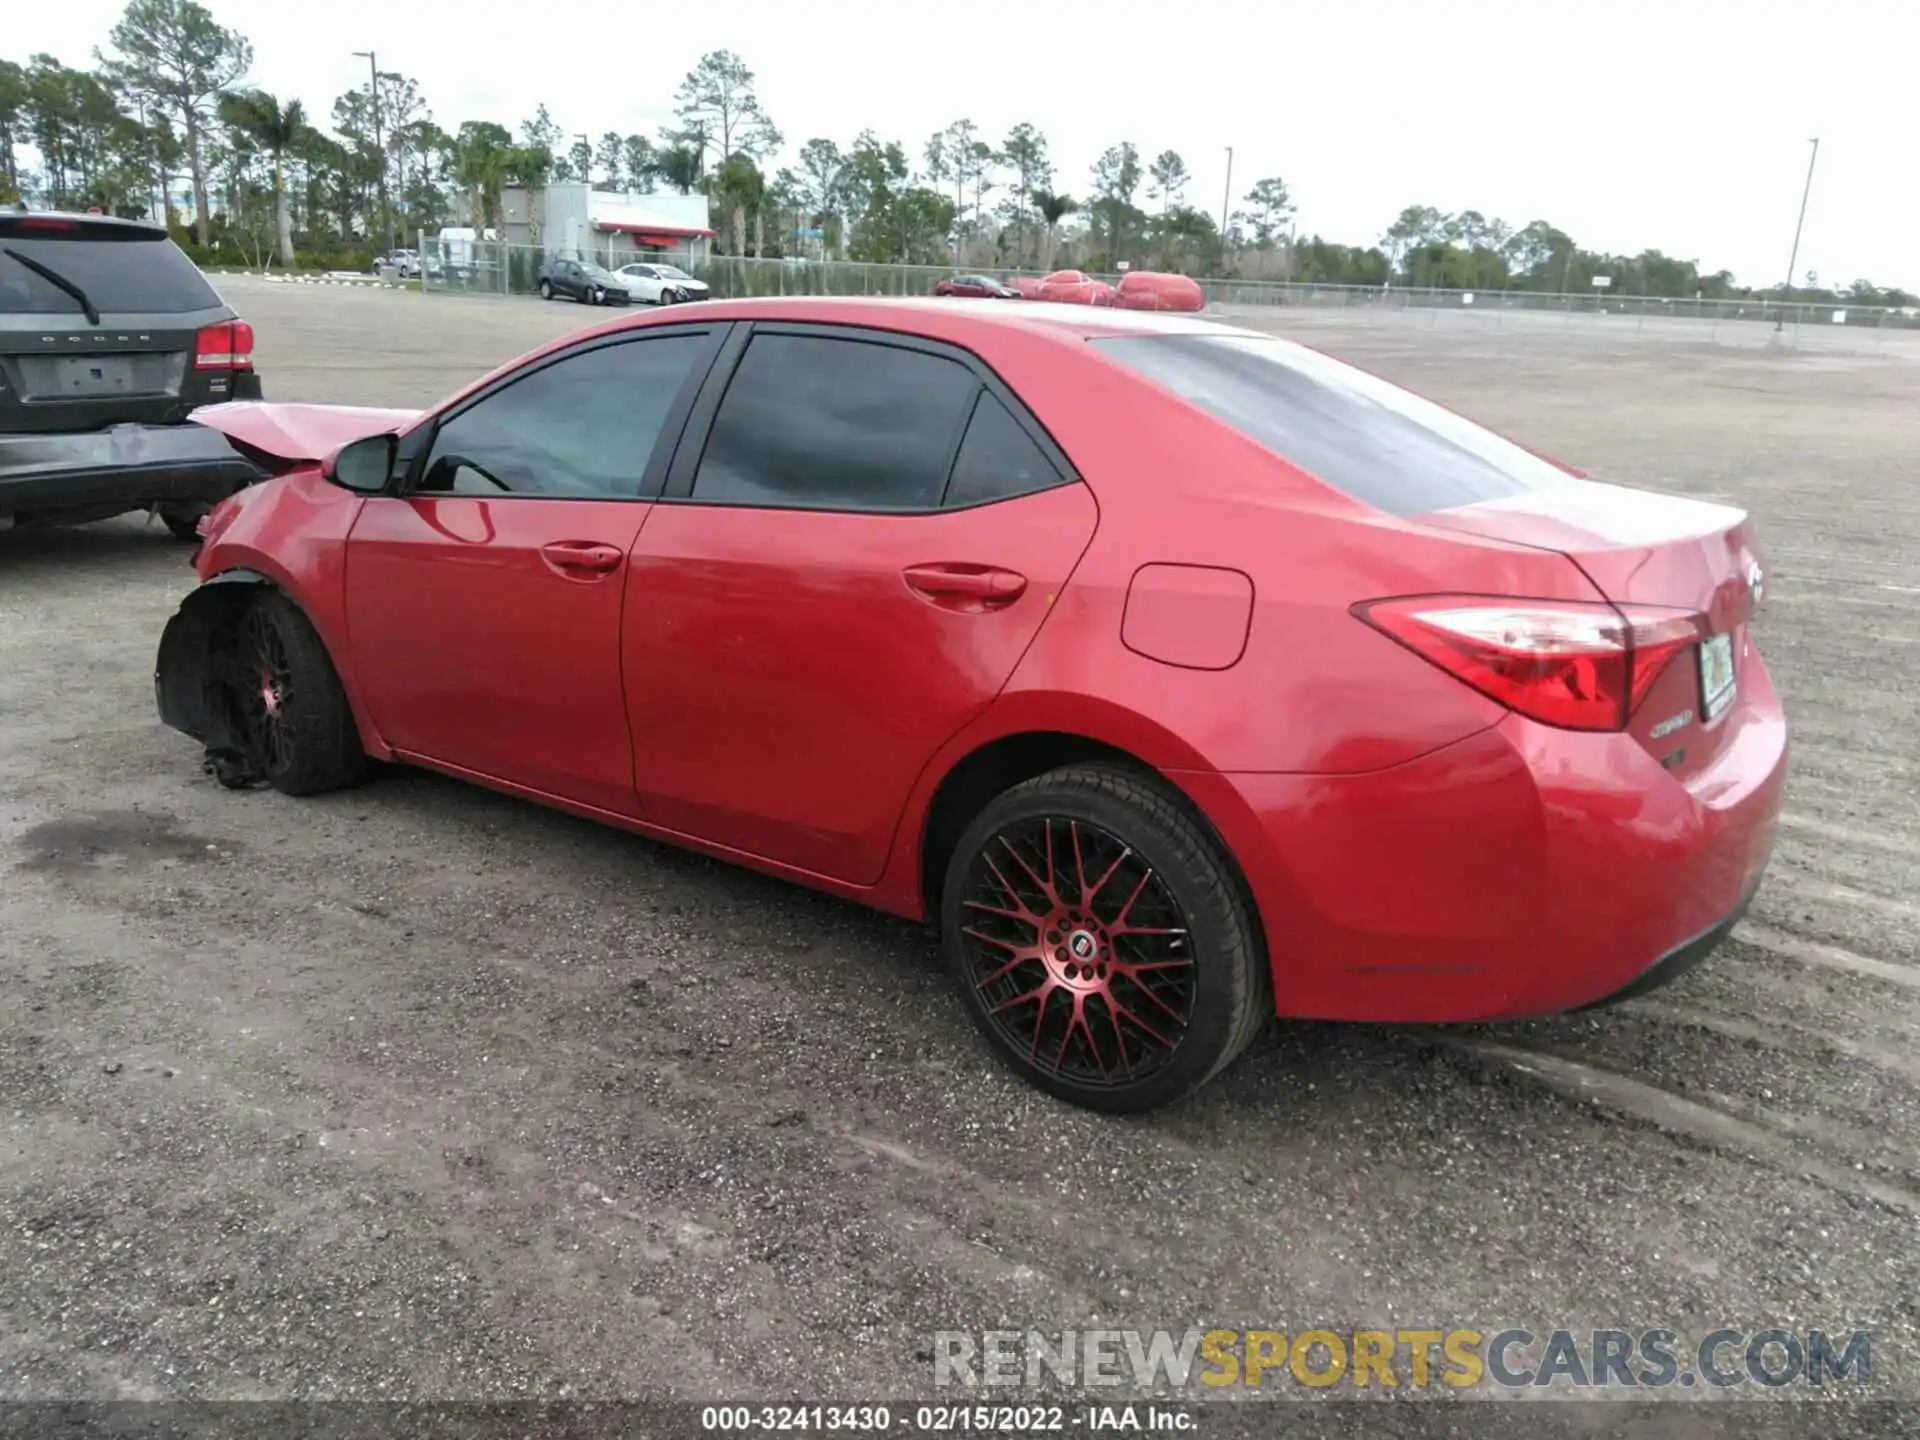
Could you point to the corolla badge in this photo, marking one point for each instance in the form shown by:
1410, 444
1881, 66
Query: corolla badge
1670, 724
1756, 582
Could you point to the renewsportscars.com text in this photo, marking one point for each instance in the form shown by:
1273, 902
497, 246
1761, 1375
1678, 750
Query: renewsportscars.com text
1457, 1358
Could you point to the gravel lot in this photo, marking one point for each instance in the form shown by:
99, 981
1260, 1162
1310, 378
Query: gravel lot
421, 1092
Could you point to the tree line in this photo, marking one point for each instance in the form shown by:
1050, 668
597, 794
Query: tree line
166, 101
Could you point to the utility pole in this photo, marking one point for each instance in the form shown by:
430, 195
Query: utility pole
379, 145
1794, 258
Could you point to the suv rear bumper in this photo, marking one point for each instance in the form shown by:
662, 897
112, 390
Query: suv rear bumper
134, 465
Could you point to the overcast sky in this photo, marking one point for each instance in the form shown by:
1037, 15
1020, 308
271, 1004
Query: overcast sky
1680, 125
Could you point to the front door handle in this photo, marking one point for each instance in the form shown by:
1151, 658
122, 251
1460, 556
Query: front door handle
983, 584
581, 557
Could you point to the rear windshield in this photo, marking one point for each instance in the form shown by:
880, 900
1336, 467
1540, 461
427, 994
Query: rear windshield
1380, 444
121, 272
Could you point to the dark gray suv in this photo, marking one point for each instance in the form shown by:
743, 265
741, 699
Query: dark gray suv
110, 339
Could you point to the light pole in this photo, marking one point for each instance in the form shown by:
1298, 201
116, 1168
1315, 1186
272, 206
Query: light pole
379, 145
1794, 258
1226, 201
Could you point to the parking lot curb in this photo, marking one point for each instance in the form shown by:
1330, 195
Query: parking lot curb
367, 282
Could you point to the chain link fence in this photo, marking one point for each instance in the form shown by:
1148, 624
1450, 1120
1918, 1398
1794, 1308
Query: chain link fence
496, 268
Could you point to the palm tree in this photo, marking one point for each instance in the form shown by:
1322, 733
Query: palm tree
681, 166
483, 161
738, 186
275, 129
1053, 209
532, 166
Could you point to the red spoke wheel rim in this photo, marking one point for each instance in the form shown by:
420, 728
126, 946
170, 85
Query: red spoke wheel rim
1078, 951
264, 684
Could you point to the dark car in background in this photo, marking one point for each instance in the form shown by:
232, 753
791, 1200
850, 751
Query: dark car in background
110, 339
976, 287
583, 281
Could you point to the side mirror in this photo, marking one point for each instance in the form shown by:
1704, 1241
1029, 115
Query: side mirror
365, 466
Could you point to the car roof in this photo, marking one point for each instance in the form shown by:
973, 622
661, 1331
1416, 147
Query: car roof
898, 312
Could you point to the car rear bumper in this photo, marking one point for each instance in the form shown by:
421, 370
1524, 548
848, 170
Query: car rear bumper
1522, 871
123, 464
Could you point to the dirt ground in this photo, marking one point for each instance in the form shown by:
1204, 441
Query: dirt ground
421, 1092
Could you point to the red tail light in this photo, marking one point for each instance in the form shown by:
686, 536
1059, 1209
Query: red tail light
1566, 663
227, 346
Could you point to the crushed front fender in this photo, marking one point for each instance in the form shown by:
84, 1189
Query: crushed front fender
189, 671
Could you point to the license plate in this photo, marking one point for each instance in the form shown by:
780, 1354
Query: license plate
83, 376
1717, 680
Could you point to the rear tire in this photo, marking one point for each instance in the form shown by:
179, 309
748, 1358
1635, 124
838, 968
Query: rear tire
182, 518
546, 290
287, 708
1101, 940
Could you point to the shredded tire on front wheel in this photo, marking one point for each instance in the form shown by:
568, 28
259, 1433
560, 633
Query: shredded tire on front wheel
287, 709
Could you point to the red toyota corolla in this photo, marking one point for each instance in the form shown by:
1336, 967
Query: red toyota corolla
1182, 674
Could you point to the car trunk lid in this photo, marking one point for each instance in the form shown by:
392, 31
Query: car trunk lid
1645, 550
105, 322
57, 379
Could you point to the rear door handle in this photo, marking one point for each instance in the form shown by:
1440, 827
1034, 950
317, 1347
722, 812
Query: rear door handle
985, 583
576, 557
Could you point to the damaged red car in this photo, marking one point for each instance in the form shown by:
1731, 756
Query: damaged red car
1180, 674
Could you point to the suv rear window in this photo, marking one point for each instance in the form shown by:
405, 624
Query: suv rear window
122, 271
1380, 444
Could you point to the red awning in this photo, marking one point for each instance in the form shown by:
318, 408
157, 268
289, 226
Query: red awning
651, 234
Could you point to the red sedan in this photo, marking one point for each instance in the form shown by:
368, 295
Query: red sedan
1181, 674
975, 287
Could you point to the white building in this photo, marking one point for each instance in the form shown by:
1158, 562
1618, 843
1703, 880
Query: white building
610, 227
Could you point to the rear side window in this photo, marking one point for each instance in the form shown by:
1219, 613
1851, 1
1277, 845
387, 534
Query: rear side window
997, 460
814, 423
121, 272
1380, 444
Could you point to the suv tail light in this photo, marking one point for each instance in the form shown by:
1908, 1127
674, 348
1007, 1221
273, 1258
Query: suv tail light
227, 346
1565, 663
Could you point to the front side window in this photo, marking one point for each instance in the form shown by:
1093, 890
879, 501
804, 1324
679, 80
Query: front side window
581, 428
816, 423
1380, 444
